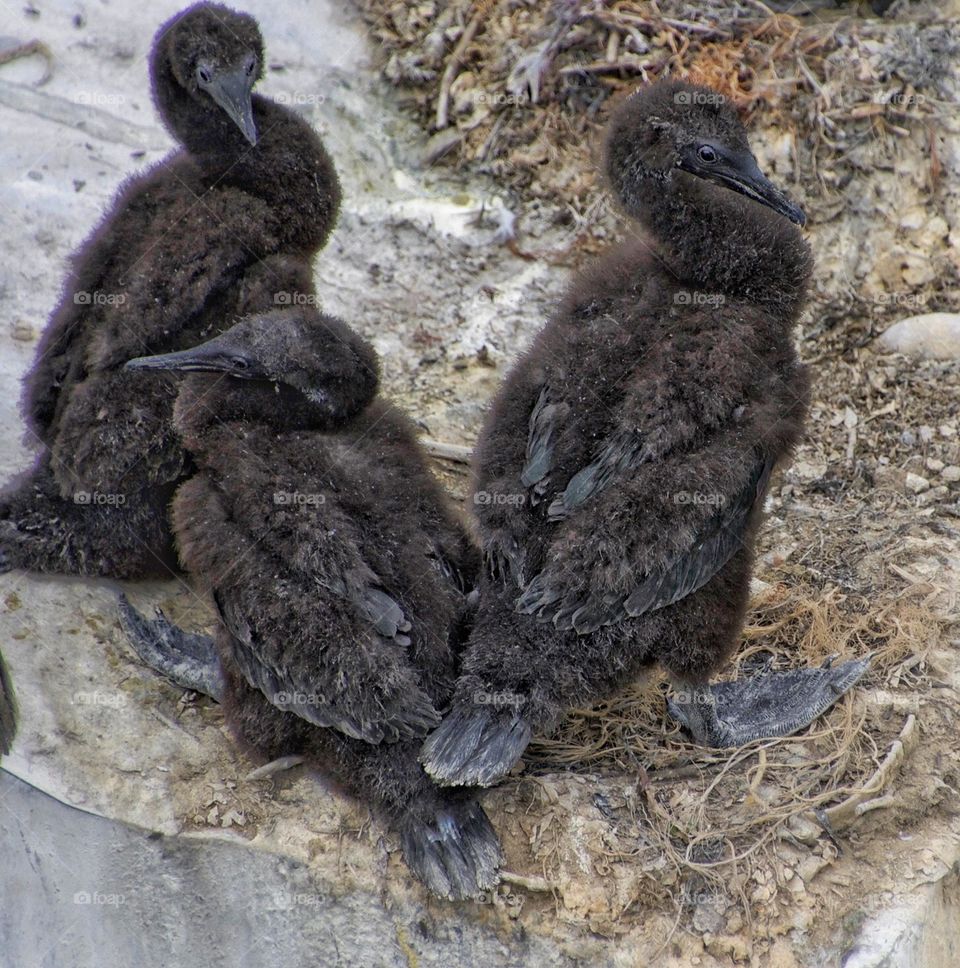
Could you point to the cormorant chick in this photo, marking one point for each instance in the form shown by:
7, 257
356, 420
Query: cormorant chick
224, 226
338, 570
621, 473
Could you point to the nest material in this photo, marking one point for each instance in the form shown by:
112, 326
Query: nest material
526, 84
713, 825
520, 90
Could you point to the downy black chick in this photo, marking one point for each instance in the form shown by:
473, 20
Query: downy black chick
621, 473
225, 225
338, 569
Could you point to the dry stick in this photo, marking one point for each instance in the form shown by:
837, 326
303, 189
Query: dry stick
454, 64
847, 811
540, 884
452, 452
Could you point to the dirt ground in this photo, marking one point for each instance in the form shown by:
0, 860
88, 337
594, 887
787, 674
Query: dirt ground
790, 851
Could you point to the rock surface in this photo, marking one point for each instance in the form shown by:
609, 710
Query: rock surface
130, 831
931, 336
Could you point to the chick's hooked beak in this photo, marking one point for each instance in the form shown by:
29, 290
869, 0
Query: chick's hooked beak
231, 91
740, 173
212, 357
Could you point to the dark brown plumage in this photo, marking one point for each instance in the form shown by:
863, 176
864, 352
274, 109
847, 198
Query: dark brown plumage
620, 475
222, 227
338, 569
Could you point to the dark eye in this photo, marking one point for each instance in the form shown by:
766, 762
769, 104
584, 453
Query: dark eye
239, 363
251, 64
706, 154
203, 75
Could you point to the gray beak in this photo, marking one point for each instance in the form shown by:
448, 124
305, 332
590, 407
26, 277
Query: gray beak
742, 174
206, 358
231, 90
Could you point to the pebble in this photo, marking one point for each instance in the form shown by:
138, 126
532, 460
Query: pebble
439, 145
940, 493
929, 336
951, 474
915, 483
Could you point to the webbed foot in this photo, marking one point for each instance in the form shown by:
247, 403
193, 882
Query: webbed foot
457, 855
734, 713
475, 745
185, 658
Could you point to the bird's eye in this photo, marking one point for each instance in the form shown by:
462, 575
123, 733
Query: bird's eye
706, 154
239, 363
203, 75
251, 64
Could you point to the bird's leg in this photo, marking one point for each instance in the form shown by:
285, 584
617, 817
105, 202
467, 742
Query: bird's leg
188, 659
772, 704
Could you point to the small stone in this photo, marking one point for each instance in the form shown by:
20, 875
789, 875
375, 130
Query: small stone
934, 465
807, 471
908, 438
935, 494
708, 918
951, 474
23, 331
926, 434
947, 430
915, 483
929, 336
796, 886
440, 144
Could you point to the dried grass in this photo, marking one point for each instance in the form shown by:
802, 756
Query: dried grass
527, 85
714, 814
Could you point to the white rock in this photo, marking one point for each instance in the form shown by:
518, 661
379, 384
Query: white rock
930, 336
916, 483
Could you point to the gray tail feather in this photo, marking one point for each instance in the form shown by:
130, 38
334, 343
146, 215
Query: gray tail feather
457, 856
8, 710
